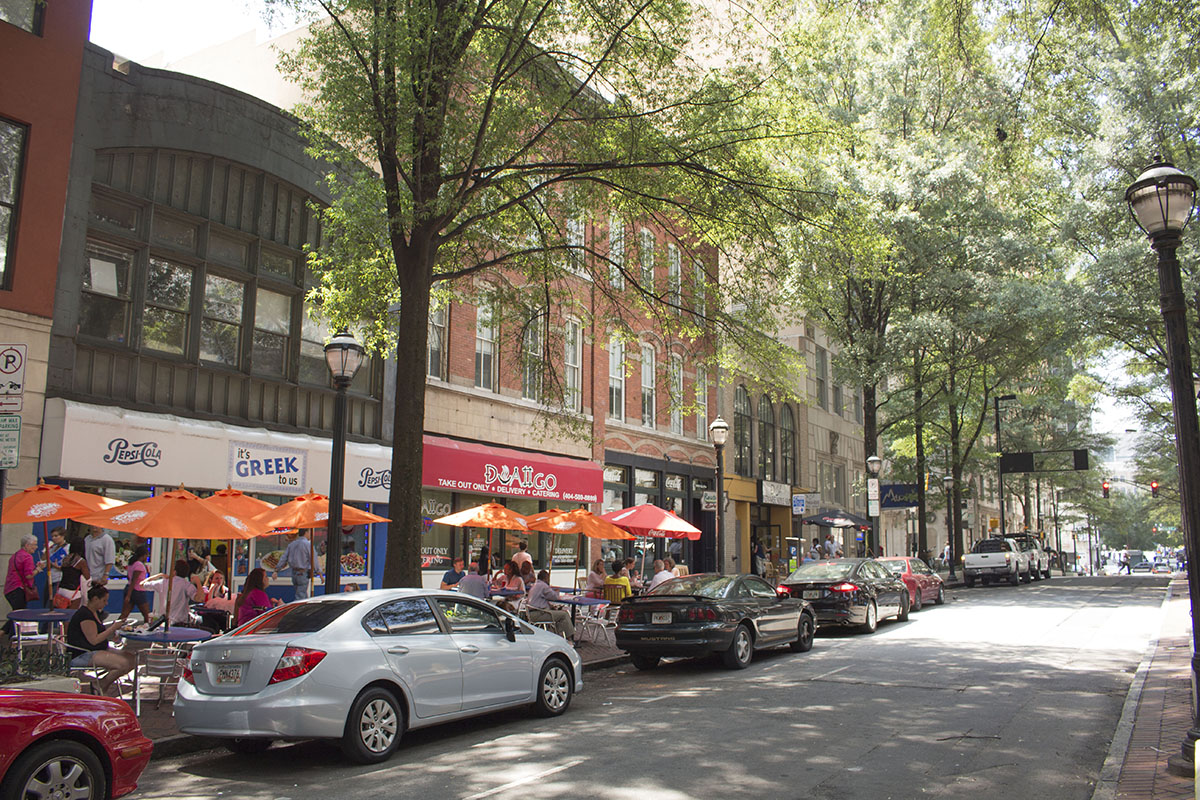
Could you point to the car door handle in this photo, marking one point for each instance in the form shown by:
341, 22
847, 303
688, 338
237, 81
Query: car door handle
398, 650
470, 648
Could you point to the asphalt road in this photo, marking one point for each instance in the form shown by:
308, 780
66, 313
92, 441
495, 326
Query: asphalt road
1001, 693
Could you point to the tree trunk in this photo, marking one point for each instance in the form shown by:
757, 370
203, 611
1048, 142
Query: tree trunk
919, 433
402, 565
956, 472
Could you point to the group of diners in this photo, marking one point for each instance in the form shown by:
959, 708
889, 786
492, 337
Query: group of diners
625, 575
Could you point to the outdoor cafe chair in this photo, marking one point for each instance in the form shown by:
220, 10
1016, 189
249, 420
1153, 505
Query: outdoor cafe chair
163, 663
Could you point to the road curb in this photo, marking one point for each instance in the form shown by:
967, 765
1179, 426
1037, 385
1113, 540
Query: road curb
182, 744
1110, 772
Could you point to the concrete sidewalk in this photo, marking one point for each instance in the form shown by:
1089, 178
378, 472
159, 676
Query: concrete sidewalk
159, 723
1157, 714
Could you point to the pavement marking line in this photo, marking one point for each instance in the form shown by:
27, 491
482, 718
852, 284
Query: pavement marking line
1110, 771
527, 779
824, 675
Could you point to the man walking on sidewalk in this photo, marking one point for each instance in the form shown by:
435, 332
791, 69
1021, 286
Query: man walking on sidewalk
298, 556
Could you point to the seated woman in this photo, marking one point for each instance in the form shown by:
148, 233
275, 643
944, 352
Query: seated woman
620, 577
596, 578
527, 574
214, 588
88, 639
254, 599
509, 578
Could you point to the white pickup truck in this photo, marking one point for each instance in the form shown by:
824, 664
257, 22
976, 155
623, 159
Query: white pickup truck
995, 559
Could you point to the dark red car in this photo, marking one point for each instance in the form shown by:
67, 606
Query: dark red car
924, 585
54, 744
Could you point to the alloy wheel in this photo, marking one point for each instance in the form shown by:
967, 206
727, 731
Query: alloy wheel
378, 725
62, 777
556, 688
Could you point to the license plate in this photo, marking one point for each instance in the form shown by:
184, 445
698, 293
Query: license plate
229, 673
811, 594
660, 618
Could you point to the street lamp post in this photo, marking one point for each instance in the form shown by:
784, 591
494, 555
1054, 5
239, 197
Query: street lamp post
719, 431
1161, 200
1062, 561
874, 464
948, 485
1000, 457
344, 355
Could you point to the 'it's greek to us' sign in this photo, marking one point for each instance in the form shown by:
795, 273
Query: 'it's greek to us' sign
267, 468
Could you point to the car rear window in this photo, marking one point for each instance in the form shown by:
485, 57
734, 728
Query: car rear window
991, 546
822, 571
699, 585
296, 618
894, 567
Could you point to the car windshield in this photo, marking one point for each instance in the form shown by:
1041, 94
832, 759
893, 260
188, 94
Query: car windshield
991, 546
822, 571
296, 618
699, 585
894, 567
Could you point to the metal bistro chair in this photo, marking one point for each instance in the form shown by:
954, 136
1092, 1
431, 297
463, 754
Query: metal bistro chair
25, 634
523, 613
164, 663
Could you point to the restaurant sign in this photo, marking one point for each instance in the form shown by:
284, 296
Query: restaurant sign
255, 466
480, 469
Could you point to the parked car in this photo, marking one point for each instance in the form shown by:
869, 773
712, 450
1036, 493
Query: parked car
1039, 559
998, 558
56, 744
1142, 566
924, 585
706, 613
365, 667
850, 591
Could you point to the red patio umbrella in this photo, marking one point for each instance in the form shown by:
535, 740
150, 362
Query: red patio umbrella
649, 520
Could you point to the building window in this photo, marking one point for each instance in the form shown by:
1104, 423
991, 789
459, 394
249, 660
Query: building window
822, 378
787, 445
646, 258
766, 439
12, 159
858, 407
839, 485
104, 304
532, 361
701, 404
616, 252
272, 328
676, 398
221, 323
742, 451
616, 379
576, 232
700, 289
168, 301
25, 14
435, 348
573, 365
313, 335
839, 407
648, 397
485, 347
674, 279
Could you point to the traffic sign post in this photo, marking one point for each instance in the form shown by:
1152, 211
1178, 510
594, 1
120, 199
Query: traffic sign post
10, 441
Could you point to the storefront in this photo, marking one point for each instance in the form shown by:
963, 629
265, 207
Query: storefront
132, 454
631, 480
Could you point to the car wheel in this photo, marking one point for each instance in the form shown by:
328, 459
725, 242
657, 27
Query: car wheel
554, 688
941, 598
741, 649
373, 728
644, 662
917, 602
1035, 573
904, 608
1046, 574
248, 747
872, 618
1014, 579
970, 582
807, 630
57, 768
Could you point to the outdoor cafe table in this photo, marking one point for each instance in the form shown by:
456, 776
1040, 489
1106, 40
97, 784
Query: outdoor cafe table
176, 635
58, 616
504, 593
576, 602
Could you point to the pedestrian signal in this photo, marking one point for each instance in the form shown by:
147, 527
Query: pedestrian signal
1105, 487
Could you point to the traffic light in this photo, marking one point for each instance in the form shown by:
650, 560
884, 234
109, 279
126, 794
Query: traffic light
1105, 486
1154, 488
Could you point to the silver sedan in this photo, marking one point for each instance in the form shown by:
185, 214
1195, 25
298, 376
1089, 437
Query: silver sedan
366, 666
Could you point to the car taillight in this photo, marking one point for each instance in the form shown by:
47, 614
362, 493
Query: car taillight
187, 675
843, 587
294, 662
702, 614
1008, 557
783, 591
625, 614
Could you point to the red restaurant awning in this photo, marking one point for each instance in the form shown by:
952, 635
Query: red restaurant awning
481, 469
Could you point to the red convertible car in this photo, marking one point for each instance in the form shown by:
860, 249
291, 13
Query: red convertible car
924, 585
54, 744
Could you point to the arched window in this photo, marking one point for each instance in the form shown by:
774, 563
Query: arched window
741, 432
787, 446
766, 439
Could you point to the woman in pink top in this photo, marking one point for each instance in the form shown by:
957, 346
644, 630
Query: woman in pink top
253, 599
18, 583
135, 594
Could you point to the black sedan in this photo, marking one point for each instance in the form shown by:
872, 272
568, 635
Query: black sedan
850, 591
697, 615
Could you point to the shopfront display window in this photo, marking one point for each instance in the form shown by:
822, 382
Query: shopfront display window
125, 542
437, 541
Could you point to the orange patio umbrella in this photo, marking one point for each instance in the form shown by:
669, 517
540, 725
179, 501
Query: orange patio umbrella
238, 503
312, 511
490, 516
579, 522
48, 502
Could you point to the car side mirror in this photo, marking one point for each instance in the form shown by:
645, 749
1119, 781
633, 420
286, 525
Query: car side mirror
510, 629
